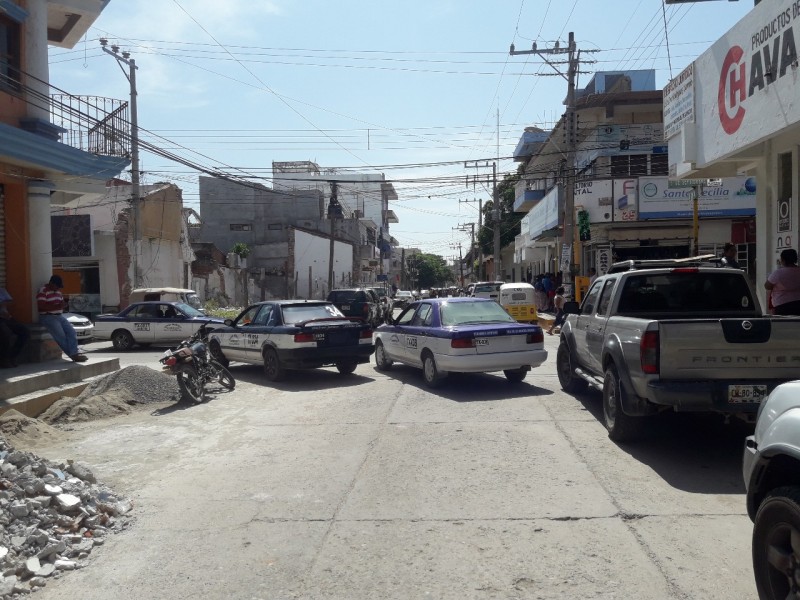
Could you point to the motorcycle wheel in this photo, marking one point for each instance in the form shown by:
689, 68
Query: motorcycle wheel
224, 376
190, 384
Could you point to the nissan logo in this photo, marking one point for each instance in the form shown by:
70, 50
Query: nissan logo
747, 325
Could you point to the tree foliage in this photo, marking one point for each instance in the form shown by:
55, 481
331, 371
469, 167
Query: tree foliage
509, 220
429, 270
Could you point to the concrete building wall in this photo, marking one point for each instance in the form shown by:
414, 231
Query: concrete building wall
311, 264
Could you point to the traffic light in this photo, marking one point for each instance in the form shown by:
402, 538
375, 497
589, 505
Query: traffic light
584, 227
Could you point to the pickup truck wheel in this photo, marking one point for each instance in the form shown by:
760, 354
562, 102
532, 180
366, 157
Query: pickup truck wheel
429, 371
776, 544
272, 366
382, 362
565, 368
621, 427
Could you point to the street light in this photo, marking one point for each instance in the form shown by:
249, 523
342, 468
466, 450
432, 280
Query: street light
125, 59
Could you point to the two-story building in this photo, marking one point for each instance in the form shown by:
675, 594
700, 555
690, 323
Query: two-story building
52, 143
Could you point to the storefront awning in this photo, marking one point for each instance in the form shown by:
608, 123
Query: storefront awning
650, 233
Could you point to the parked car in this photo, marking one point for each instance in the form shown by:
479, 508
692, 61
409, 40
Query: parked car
771, 469
167, 294
83, 327
680, 335
466, 335
146, 323
357, 302
283, 335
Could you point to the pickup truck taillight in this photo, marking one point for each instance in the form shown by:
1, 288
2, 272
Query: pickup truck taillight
648, 352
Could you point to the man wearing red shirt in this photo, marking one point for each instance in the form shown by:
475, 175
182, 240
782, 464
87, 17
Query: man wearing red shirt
50, 304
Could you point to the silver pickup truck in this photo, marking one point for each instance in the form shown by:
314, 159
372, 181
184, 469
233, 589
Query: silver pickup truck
681, 335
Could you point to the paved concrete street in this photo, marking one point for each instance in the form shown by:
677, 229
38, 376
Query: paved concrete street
372, 486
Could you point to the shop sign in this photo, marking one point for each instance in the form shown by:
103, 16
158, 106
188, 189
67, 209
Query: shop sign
596, 198
603, 260
749, 76
566, 257
626, 200
736, 196
679, 102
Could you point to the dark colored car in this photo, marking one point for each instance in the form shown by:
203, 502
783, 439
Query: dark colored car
357, 302
284, 335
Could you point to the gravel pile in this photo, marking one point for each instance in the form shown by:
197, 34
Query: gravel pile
113, 395
51, 518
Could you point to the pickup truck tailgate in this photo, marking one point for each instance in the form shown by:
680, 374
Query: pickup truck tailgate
733, 349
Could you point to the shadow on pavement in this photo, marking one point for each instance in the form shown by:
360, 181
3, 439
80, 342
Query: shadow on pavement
467, 387
694, 452
304, 380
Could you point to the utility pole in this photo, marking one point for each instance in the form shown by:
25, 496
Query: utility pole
460, 264
482, 275
334, 212
125, 59
573, 63
468, 227
498, 263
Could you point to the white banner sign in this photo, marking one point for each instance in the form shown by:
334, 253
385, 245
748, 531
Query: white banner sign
735, 197
595, 197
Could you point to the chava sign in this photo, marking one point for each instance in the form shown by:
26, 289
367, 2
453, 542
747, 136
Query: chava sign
753, 67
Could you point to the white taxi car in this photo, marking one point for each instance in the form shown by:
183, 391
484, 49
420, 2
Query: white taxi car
467, 335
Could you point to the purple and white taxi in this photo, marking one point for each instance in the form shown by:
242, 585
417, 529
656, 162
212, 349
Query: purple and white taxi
461, 335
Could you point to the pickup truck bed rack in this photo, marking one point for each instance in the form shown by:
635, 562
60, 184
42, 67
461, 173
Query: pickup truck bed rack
705, 260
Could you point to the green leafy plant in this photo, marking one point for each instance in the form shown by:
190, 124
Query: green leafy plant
241, 249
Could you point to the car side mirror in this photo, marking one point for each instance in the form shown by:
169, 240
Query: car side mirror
228, 322
571, 308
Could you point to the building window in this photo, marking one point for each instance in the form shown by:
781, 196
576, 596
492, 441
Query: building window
9, 54
241, 227
659, 164
275, 226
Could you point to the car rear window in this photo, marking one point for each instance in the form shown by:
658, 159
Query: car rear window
489, 287
298, 314
687, 292
473, 313
343, 296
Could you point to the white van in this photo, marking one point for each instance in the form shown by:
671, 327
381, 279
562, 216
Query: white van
487, 289
167, 294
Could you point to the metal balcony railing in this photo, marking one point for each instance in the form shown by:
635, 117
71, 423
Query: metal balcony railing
90, 123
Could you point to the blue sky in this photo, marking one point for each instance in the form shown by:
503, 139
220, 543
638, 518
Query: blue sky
410, 89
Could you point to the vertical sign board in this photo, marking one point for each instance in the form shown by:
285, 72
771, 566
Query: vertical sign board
603, 262
785, 234
679, 102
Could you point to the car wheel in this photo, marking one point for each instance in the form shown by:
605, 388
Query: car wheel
346, 367
570, 382
515, 375
272, 366
776, 544
382, 362
216, 352
190, 384
621, 427
122, 340
429, 371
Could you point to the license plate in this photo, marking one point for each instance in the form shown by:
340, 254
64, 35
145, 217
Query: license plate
744, 394
481, 342
345, 307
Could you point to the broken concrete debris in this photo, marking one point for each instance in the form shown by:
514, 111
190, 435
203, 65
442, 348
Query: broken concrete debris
51, 518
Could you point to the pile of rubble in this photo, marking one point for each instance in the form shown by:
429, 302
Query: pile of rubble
51, 518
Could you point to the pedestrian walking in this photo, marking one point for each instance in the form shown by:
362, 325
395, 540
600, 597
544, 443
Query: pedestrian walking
784, 285
50, 303
558, 303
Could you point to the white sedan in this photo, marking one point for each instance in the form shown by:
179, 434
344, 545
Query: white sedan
467, 335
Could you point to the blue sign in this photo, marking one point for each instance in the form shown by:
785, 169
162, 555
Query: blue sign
382, 278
